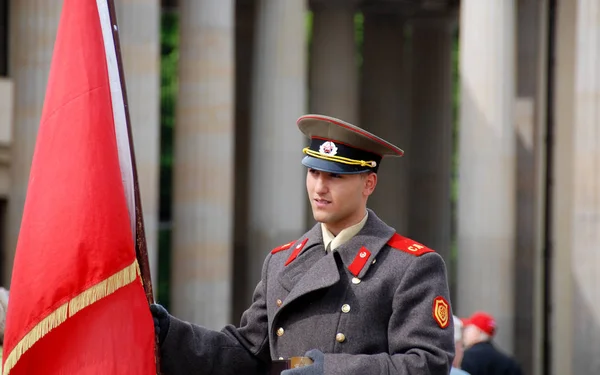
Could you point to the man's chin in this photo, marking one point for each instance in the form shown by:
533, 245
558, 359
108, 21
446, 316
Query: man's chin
321, 217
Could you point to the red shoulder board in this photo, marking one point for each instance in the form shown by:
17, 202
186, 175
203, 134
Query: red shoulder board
283, 247
408, 246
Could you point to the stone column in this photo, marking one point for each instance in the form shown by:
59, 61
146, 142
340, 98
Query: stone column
385, 109
139, 23
203, 165
530, 123
563, 103
277, 187
333, 67
581, 196
431, 139
486, 206
31, 47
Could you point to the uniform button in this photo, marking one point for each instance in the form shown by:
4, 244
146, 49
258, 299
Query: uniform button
340, 337
281, 358
355, 280
346, 308
280, 332
374, 260
279, 303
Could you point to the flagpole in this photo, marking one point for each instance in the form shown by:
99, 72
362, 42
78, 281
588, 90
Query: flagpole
141, 249
140, 240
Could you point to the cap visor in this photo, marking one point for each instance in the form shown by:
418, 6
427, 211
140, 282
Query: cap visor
333, 167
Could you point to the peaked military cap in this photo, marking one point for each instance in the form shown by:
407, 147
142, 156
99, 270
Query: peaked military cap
342, 148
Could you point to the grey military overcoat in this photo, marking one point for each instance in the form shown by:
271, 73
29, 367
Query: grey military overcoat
376, 305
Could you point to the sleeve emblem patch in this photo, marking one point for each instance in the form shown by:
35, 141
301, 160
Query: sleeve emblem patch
441, 311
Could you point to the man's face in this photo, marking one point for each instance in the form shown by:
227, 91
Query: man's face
339, 200
471, 335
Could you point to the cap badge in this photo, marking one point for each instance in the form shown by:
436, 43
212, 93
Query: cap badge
328, 148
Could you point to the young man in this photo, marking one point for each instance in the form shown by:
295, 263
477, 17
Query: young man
351, 293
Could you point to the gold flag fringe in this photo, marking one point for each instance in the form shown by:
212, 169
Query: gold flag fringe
104, 288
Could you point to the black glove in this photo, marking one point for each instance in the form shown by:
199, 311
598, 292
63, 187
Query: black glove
161, 321
315, 369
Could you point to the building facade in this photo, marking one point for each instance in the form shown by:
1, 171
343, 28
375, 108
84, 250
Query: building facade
510, 197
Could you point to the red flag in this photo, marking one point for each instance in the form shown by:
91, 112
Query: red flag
77, 304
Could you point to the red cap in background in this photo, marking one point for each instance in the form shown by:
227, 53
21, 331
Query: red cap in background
483, 321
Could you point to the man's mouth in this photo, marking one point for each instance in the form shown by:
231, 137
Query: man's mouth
321, 202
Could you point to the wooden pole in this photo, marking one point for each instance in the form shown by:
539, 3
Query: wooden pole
141, 250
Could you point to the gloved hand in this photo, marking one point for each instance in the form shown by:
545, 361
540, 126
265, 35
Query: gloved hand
315, 369
161, 321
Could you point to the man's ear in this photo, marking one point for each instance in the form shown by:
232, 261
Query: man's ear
370, 183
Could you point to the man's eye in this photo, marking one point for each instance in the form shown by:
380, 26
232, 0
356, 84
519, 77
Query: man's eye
335, 175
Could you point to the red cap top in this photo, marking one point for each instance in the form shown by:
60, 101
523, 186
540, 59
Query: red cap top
483, 321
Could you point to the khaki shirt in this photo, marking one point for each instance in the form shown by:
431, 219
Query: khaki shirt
332, 242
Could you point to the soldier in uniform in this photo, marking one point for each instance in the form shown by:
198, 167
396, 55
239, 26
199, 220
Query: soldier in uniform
351, 293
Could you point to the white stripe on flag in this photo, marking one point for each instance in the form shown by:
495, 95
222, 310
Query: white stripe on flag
118, 109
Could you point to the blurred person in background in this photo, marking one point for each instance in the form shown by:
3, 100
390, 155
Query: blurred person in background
458, 348
481, 357
3, 310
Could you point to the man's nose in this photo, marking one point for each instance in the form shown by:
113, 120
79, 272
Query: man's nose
321, 185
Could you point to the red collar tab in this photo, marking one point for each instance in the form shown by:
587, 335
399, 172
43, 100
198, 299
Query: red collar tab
408, 246
296, 251
362, 257
282, 247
